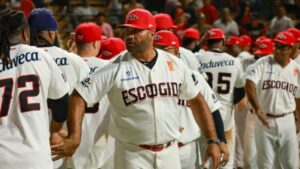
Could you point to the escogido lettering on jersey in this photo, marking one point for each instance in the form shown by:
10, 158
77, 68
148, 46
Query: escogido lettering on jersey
19, 60
211, 64
274, 84
152, 90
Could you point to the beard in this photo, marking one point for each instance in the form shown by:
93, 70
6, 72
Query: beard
138, 47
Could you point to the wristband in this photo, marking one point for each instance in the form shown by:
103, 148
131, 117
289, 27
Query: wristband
216, 141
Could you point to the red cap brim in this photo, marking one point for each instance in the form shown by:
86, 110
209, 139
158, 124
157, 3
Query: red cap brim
134, 26
262, 52
282, 42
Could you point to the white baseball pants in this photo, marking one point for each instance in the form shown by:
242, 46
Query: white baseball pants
250, 156
280, 139
188, 155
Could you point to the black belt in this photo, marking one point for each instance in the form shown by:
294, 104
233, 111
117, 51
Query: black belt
277, 115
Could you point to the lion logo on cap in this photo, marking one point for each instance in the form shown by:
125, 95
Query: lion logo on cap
132, 17
157, 37
282, 36
106, 53
210, 33
80, 37
262, 46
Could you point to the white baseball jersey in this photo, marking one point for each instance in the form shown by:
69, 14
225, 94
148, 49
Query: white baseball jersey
144, 101
190, 60
94, 125
72, 66
224, 74
297, 59
25, 85
276, 86
245, 57
188, 125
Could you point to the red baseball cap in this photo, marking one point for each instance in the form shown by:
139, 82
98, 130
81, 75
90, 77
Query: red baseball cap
260, 39
166, 38
245, 40
191, 33
215, 33
233, 40
140, 19
87, 32
285, 38
111, 47
264, 47
295, 32
164, 21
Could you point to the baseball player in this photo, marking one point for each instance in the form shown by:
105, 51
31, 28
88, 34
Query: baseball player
44, 35
143, 86
233, 46
164, 22
190, 39
245, 43
90, 153
225, 76
296, 51
167, 41
111, 48
43, 29
263, 48
28, 77
272, 88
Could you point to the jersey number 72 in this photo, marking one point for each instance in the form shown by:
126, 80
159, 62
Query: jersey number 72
23, 96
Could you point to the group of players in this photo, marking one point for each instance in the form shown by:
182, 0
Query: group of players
154, 105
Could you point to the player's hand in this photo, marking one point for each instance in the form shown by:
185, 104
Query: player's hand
225, 153
57, 137
297, 127
66, 148
213, 151
262, 118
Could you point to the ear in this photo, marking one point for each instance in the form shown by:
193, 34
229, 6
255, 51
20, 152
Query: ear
52, 35
26, 36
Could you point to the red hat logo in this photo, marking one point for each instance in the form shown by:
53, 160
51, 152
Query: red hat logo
173, 43
106, 53
211, 33
262, 46
80, 37
133, 17
282, 36
157, 37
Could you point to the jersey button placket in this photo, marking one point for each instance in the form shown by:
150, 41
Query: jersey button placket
154, 104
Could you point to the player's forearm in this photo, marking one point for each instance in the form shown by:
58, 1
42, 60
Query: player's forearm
297, 114
55, 126
203, 117
76, 113
251, 94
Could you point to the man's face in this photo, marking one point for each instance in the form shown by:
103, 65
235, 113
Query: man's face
138, 40
282, 52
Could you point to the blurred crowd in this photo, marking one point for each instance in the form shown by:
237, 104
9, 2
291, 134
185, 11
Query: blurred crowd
235, 17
